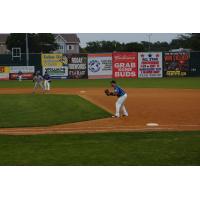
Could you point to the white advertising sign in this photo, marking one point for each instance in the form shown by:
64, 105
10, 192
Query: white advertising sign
150, 65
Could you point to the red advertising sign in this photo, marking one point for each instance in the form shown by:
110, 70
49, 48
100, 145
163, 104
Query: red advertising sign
25, 76
125, 65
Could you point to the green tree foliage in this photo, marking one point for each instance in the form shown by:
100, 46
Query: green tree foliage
41, 42
103, 46
187, 41
194, 41
110, 46
46, 42
133, 46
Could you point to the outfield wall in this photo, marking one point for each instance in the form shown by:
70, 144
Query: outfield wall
99, 66
150, 65
104, 65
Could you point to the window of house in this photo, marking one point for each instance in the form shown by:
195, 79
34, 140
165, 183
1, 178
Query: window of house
61, 47
70, 47
16, 52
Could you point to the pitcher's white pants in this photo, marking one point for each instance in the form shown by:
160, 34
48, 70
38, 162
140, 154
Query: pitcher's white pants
20, 77
120, 106
46, 85
37, 84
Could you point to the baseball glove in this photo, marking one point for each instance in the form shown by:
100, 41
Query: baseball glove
107, 92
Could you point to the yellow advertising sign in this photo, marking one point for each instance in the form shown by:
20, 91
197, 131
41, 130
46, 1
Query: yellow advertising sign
7, 69
52, 60
4, 69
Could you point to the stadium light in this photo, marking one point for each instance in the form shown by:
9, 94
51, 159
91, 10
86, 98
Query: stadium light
27, 51
149, 36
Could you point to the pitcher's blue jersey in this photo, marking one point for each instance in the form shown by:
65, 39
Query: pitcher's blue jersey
119, 91
46, 77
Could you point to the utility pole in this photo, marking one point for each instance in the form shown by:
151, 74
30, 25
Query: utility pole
149, 36
27, 51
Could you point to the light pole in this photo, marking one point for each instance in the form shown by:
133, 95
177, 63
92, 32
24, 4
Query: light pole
149, 36
27, 51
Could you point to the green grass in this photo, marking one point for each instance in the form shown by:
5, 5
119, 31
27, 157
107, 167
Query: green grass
152, 149
43, 110
185, 82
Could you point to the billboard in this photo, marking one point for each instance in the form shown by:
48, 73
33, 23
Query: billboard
27, 72
52, 60
125, 65
57, 72
150, 65
176, 64
99, 66
4, 72
23, 69
77, 66
25, 76
56, 65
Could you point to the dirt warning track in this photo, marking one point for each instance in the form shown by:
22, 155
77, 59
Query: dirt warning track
171, 109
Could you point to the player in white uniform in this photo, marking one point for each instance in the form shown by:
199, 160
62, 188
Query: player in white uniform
47, 80
122, 96
20, 76
38, 80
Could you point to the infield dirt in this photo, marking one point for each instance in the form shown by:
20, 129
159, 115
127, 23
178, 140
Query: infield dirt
172, 109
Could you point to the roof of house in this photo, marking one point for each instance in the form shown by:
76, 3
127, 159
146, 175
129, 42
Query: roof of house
69, 38
3, 37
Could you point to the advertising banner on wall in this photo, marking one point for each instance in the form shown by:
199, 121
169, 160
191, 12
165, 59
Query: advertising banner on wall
77, 66
27, 72
99, 66
150, 65
176, 64
23, 69
125, 65
25, 76
56, 65
4, 72
56, 72
52, 60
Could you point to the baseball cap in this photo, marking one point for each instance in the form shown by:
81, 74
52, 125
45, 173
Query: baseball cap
113, 81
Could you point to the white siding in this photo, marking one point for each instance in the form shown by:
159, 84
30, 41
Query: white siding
66, 47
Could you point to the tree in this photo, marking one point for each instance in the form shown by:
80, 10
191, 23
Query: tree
93, 47
190, 41
103, 46
37, 43
194, 41
160, 46
46, 42
133, 47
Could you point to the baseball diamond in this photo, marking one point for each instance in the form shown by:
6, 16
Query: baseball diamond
162, 110
166, 107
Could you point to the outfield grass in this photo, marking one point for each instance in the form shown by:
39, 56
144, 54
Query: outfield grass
185, 82
152, 149
44, 110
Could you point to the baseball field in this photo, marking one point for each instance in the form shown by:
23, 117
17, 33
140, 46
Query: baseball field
72, 124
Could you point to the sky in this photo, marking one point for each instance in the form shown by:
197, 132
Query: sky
126, 37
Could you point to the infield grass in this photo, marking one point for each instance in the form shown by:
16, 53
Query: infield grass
184, 82
113, 149
44, 110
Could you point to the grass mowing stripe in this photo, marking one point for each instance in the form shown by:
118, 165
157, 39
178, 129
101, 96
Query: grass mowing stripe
162, 148
45, 110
